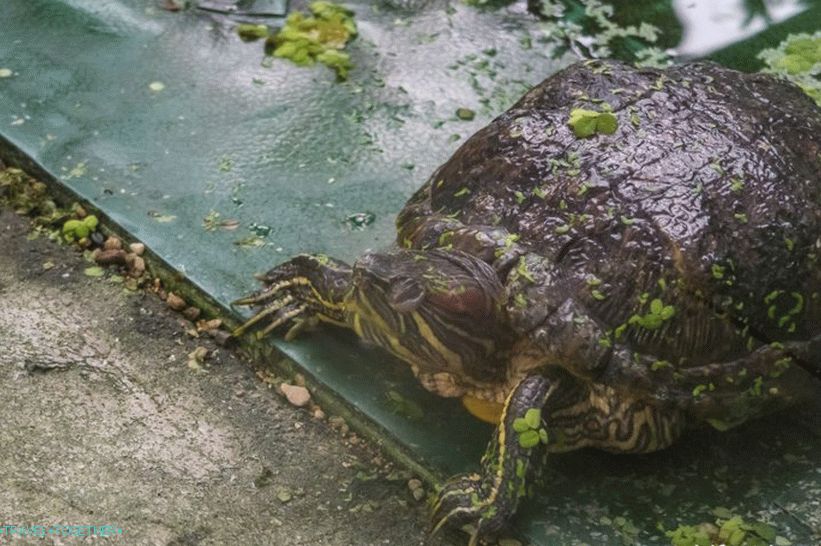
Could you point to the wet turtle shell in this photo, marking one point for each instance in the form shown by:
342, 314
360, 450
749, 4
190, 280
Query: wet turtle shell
691, 234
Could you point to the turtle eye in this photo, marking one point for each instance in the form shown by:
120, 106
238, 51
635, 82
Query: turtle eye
405, 295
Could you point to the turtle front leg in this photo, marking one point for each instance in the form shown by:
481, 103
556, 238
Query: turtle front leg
552, 412
301, 292
486, 501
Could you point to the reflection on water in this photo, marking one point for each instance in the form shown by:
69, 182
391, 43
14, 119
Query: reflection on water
709, 25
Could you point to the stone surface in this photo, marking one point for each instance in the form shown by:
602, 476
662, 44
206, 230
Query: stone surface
104, 423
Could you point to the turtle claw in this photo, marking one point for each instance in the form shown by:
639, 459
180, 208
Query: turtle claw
298, 291
284, 315
281, 310
463, 503
275, 307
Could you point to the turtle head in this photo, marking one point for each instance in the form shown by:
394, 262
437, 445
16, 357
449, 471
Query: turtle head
440, 309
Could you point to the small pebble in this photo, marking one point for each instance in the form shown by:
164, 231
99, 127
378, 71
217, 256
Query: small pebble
284, 495
207, 325
97, 238
138, 268
197, 357
109, 257
340, 424
137, 248
113, 243
296, 395
175, 302
416, 489
319, 414
191, 313
222, 337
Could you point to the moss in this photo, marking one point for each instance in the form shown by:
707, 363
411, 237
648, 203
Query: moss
523, 271
24, 194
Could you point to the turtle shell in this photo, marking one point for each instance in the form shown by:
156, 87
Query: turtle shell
702, 208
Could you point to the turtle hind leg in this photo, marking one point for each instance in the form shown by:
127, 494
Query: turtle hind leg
553, 412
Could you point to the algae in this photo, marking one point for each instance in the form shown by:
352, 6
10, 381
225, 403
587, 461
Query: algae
586, 123
729, 529
76, 230
320, 37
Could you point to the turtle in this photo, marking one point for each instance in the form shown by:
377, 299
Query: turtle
623, 254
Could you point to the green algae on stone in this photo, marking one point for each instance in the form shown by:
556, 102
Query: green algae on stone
320, 37
586, 123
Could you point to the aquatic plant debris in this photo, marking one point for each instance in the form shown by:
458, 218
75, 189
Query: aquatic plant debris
586, 123
305, 40
729, 529
79, 229
465, 114
250, 32
798, 59
401, 405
